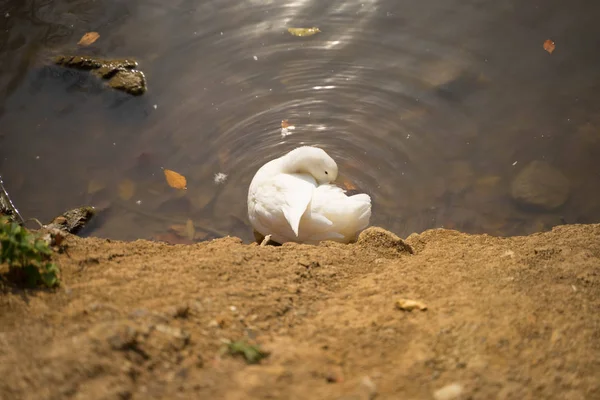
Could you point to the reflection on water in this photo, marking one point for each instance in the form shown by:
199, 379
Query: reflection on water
431, 107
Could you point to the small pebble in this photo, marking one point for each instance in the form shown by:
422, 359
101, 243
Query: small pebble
409, 305
369, 387
255, 58
213, 324
448, 392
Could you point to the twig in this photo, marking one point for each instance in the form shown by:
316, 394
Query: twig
34, 220
7, 205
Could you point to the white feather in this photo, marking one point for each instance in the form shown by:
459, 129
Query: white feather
288, 203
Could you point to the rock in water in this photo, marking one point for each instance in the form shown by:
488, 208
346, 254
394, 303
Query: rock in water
120, 74
540, 185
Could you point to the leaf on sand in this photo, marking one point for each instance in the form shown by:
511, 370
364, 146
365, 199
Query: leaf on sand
126, 189
304, 31
175, 180
549, 46
88, 38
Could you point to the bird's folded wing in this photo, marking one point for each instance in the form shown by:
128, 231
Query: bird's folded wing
296, 191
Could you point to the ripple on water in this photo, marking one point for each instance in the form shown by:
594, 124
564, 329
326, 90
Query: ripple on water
425, 106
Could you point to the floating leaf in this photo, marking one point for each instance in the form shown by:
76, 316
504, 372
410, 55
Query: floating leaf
175, 180
549, 46
286, 128
304, 31
348, 185
88, 38
126, 189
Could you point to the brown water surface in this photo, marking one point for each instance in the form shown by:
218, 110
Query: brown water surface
432, 107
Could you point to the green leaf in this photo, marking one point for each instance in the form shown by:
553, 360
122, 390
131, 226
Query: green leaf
50, 275
42, 247
252, 354
27, 255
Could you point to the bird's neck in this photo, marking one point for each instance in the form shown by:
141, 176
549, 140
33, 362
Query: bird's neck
294, 164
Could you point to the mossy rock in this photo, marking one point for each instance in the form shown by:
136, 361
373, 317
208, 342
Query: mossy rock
121, 74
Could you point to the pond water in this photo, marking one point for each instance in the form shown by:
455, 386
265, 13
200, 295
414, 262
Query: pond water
432, 107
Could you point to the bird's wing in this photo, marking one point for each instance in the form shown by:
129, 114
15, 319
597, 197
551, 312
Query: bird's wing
295, 192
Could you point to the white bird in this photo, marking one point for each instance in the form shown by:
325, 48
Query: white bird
292, 199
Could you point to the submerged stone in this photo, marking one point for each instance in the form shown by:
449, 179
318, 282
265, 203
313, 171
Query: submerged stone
540, 185
121, 74
133, 82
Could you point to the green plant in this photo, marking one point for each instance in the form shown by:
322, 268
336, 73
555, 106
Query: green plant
252, 354
27, 255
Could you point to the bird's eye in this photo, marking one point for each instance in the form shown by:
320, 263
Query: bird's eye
326, 173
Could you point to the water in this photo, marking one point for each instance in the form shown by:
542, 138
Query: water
431, 107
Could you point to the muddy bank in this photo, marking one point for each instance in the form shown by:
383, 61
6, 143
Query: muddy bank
506, 318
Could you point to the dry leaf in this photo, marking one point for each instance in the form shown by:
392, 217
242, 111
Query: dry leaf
348, 185
409, 305
304, 31
126, 189
175, 180
286, 128
190, 230
88, 38
549, 46
57, 237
